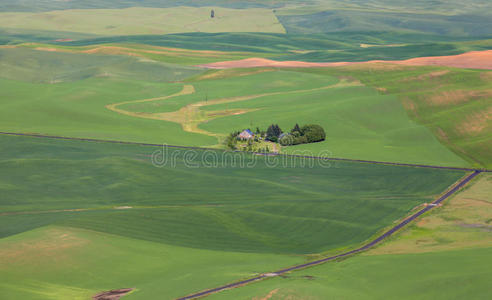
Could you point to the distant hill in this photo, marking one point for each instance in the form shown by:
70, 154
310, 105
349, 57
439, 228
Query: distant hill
451, 18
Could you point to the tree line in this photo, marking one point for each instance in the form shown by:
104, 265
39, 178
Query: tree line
310, 133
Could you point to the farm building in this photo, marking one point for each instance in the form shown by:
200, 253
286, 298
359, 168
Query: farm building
246, 135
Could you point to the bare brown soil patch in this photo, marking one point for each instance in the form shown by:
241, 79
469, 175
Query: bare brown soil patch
456, 96
55, 243
409, 105
442, 135
225, 73
474, 59
46, 49
263, 62
427, 76
475, 123
381, 46
268, 296
112, 295
486, 76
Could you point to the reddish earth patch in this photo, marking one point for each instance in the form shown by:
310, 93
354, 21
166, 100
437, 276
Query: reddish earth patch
111, 295
63, 40
473, 60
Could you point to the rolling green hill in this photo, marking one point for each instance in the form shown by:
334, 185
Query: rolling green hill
79, 217
23, 64
141, 20
219, 207
448, 245
453, 103
79, 94
99, 216
423, 276
330, 47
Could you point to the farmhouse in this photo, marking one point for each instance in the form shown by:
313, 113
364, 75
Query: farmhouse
246, 135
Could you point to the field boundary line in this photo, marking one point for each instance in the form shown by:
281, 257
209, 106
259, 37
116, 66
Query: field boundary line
258, 153
453, 189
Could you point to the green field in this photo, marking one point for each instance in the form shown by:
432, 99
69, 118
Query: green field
454, 104
66, 262
445, 275
448, 245
80, 217
463, 223
140, 20
36, 88
81, 192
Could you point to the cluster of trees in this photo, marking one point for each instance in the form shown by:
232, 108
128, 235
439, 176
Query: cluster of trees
273, 133
310, 133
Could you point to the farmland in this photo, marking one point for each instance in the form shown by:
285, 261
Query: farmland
116, 170
426, 276
97, 178
449, 245
453, 103
146, 21
221, 101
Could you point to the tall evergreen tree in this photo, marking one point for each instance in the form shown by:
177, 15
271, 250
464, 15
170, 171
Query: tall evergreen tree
296, 129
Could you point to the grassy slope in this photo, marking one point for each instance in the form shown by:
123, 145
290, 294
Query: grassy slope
360, 123
67, 263
28, 65
453, 103
448, 245
357, 20
145, 52
445, 275
345, 46
80, 111
84, 89
49, 5
139, 20
464, 222
227, 208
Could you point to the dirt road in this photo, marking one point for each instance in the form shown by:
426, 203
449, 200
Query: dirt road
385, 235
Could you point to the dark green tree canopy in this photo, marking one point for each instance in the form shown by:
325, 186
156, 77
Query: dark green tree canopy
296, 129
313, 133
273, 132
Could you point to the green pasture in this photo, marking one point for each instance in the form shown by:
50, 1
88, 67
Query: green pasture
98, 216
80, 111
329, 47
142, 20
28, 65
232, 84
462, 223
441, 275
360, 122
425, 260
213, 200
55, 262
452, 103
